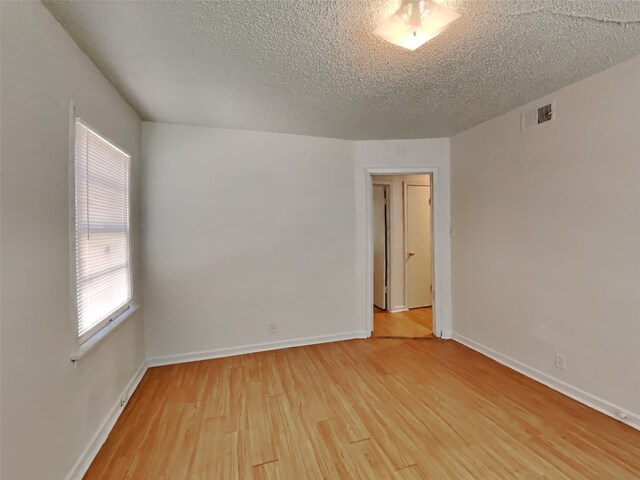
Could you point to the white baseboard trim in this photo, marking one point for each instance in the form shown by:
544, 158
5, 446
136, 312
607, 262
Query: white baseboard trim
89, 454
599, 404
401, 308
258, 347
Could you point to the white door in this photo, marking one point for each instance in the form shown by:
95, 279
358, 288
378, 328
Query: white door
418, 231
379, 246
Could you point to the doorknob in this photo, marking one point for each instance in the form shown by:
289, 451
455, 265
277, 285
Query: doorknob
411, 254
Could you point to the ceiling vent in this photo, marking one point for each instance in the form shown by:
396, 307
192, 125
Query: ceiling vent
543, 114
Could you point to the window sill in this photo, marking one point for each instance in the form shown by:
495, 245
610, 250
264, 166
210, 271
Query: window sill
97, 338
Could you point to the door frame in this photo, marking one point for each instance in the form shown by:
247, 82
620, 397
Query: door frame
387, 246
406, 184
441, 323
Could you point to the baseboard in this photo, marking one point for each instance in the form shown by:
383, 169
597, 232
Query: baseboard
83, 463
258, 347
400, 308
599, 404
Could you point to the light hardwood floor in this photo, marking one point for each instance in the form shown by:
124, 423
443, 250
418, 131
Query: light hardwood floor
369, 409
414, 323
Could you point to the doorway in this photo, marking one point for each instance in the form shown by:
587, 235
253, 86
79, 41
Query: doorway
380, 246
402, 240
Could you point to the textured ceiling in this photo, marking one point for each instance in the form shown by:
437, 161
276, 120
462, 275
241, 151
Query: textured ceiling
313, 67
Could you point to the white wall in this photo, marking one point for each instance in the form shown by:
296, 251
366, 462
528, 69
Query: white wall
397, 260
382, 156
547, 253
243, 229
50, 410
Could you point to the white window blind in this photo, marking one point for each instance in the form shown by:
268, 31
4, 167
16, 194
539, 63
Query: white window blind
102, 263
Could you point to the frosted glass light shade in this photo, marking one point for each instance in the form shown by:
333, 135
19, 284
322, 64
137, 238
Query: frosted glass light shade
415, 23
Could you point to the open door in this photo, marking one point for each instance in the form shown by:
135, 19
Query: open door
418, 240
380, 246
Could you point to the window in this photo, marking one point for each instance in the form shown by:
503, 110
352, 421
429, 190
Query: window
102, 254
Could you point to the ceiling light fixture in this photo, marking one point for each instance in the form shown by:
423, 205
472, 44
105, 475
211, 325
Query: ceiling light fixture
415, 23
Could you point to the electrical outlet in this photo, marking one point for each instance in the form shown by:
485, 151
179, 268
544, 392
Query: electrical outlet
272, 328
561, 361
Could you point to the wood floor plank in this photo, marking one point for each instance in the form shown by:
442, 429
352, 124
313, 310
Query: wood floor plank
414, 323
372, 409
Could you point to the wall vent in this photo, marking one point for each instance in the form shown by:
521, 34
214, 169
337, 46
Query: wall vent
543, 114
